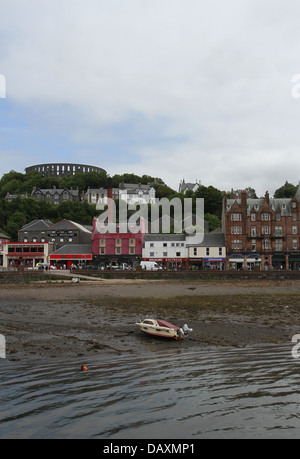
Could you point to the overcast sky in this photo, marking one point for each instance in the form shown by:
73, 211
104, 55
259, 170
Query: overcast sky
175, 89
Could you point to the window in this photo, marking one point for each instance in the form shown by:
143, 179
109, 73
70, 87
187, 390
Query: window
294, 216
151, 244
236, 217
166, 245
132, 250
151, 254
294, 229
253, 217
278, 216
278, 245
195, 251
253, 230
102, 242
207, 251
265, 217
118, 250
118, 242
266, 244
220, 251
278, 230
236, 230
178, 254
253, 245
295, 244
132, 242
165, 254
102, 250
236, 244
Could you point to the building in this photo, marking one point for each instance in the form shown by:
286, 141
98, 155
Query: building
58, 170
137, 193
3, 240
35, 231
55, 195
67, 232
208, 254
168, 250
26, 254
76, 255
114, 249
95, 195
262, 233
130, 193
9, 197
188, 186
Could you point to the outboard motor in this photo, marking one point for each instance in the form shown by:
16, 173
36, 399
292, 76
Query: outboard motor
186, 329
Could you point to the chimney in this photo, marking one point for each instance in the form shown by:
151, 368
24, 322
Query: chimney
244, 198
267, 197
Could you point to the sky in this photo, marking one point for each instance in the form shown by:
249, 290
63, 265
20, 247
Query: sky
176, 89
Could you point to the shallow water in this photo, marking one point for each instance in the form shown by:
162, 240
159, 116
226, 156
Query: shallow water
213, 393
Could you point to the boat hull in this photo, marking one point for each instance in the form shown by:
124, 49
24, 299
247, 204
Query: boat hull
153, 328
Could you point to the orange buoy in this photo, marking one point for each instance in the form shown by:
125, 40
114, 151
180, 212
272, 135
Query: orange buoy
83, 368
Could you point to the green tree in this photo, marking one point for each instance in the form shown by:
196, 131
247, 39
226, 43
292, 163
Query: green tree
288, 190
212, 199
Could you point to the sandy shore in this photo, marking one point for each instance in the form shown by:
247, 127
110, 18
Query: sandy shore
62, 320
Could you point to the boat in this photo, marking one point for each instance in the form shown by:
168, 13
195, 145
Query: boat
162, 328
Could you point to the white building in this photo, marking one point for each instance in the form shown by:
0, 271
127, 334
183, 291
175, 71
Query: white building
26, 254
209, 254
168, 250
188, 186
128, 192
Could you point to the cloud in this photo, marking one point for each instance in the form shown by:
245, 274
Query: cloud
168, 88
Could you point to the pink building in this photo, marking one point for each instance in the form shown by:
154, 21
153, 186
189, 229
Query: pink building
116, 249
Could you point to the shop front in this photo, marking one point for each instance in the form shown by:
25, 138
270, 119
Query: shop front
170, 264
25, 254
71, 256
217, 263
294, 261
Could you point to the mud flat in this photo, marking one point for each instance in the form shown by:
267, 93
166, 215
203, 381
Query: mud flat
60, 320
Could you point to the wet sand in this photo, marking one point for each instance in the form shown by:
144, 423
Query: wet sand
63, 320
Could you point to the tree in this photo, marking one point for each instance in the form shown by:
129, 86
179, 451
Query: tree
212, 199
288, 190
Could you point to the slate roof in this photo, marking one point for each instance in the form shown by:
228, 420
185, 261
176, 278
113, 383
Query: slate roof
37, 225
74, 249
209, 240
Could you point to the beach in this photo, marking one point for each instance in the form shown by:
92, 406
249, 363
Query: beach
61, 319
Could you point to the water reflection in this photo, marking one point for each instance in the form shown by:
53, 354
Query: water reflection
251, 392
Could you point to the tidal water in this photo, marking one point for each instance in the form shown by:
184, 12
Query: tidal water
251, 392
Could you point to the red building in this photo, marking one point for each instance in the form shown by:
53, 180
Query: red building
262, 233
116, 249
